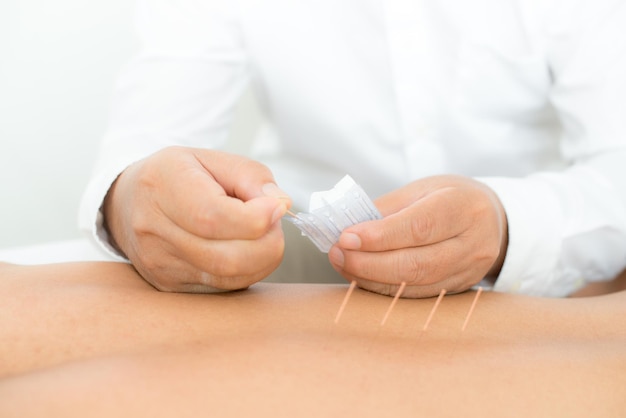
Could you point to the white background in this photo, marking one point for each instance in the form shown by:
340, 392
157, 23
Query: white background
58, 64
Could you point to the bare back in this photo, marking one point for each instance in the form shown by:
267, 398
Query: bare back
93, 338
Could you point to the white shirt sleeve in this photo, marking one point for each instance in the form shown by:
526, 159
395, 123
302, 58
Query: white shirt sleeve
377, 111
569, 228
180, 90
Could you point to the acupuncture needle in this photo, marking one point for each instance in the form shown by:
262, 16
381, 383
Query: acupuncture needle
391, 306
393, 303
467, 318
432, 311
471, 309
345, 301
288, 212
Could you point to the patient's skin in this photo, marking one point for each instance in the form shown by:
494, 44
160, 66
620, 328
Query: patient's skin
95, 339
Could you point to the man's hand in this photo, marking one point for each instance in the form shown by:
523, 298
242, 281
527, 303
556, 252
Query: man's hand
193, 220
443, 232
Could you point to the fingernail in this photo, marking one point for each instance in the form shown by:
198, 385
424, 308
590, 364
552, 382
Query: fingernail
272, 190
350, 241
336, 257
279, 212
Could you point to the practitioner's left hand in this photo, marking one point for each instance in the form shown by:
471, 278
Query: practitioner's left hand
442, 232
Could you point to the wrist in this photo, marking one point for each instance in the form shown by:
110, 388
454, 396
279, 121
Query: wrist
108, 215
495, 269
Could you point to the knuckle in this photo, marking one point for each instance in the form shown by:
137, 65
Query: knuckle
418, 271
413, 270
247, 169
147, 174
257, 227
247, 165
420, 227
247, 263
208, 223
140, 224
155, 274
225, 267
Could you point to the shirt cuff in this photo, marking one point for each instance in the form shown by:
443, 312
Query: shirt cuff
535, 220
91, 219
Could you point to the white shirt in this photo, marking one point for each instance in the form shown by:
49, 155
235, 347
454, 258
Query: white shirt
527, 96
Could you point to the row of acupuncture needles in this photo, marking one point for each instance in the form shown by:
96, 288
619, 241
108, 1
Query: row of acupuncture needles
397, 296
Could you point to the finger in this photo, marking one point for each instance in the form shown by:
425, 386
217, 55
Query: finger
456, 283
175, 275
192, 280
399, 199
223, 217
229, 258
238, 176
436, 217
452, 285
197, 203
415, 266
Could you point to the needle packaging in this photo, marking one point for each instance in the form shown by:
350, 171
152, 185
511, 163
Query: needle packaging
331, 211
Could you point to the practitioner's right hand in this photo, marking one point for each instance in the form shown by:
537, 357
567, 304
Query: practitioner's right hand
196, 220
